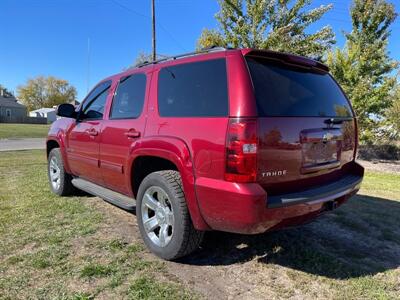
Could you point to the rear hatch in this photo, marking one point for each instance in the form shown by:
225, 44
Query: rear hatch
306, 127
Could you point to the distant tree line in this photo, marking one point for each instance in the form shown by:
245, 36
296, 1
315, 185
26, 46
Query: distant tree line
48, 91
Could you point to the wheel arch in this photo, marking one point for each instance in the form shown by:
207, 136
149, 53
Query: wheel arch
50, 145
57, 141
166, 152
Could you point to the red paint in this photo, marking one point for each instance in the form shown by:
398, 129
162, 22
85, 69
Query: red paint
105, 151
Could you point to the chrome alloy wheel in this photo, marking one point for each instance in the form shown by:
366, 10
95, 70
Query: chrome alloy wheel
157, 216
55, 173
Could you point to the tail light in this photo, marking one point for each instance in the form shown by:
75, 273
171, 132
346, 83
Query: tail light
241, 150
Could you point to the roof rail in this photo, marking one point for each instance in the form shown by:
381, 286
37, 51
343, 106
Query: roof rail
204, 50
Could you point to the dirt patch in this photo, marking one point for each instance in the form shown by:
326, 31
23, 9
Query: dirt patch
388, 166
299, 263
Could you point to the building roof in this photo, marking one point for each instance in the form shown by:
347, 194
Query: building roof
43, 110
10, 102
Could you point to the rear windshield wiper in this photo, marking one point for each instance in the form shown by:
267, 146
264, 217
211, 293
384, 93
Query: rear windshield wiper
335, 121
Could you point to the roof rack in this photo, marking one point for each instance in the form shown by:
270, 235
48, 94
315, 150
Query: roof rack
204, 50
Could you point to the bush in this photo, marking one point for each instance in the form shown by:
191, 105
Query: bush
385, 151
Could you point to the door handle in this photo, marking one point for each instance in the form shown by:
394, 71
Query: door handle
132, 133
92, 132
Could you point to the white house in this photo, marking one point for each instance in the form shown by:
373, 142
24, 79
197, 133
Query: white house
49, 113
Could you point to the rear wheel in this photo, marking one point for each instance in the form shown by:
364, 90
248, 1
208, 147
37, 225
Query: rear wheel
163, 217
60, 181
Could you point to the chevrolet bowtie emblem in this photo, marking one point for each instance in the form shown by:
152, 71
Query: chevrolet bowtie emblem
327, 137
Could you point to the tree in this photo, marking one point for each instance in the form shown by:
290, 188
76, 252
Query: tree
281, 25
393, 115
142, 58
46, 92
363, 67
273, 137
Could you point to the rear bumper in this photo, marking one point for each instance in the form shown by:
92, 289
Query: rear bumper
328, 192
246, 208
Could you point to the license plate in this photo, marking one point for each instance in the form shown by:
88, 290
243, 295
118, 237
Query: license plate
319, 153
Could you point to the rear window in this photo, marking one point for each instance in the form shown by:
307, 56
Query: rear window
193, 90
283, 90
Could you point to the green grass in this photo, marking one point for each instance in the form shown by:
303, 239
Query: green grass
58, 248
16, 131
93, 270
381, 184
69, 248
148, 288
351, 253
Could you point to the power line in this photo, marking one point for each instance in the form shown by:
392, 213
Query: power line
148, 17
128, 9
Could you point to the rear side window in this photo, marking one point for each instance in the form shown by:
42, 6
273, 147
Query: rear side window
193, 90
283, 90
129, 97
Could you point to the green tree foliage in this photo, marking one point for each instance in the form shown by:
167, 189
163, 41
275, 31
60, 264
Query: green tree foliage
363, 67
210, 38
393, 114
281, 25
142, 58
46, 92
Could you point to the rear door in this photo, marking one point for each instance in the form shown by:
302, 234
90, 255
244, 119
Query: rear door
122, 130
84, 136
306, 125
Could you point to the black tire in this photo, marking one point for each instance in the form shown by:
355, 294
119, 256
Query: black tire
65, 187
185, 238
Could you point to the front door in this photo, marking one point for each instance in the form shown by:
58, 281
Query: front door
85, 135
124, 127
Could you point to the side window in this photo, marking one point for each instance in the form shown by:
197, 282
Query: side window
93, 105
193, 90
129, 97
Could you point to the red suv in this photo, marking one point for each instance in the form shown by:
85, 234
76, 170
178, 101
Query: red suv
242, 141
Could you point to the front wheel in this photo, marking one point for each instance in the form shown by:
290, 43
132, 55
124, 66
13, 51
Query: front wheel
60, 181
163, 216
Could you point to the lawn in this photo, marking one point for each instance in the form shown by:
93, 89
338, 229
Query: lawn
58, 248
14, 131
83, 248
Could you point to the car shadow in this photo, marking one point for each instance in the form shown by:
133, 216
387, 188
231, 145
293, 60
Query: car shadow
360, 238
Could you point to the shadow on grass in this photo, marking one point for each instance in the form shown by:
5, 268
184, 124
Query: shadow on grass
360, 238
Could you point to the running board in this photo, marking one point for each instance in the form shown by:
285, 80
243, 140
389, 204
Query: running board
108, 195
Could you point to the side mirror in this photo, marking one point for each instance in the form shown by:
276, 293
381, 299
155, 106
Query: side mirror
66, 110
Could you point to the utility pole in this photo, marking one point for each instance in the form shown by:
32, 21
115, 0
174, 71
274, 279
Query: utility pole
153, 19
